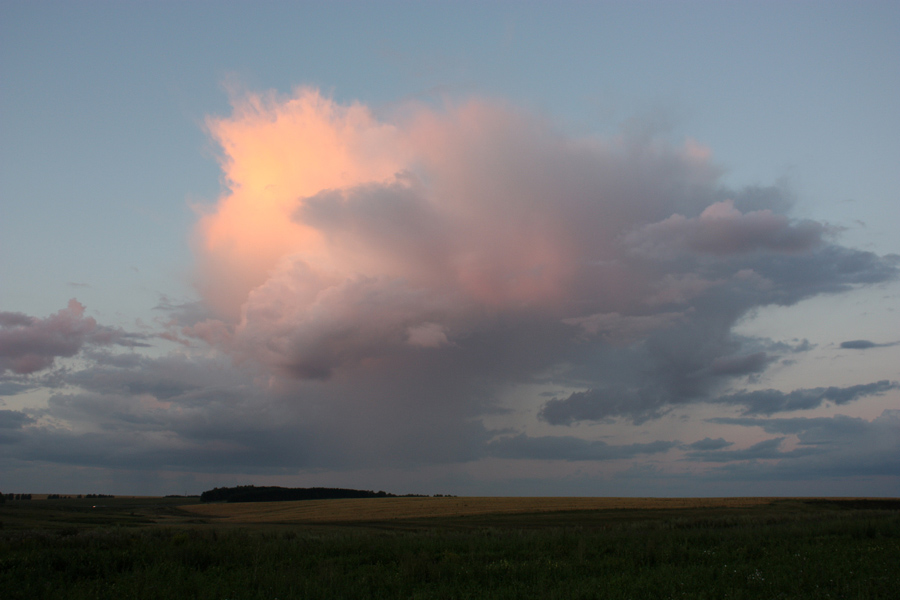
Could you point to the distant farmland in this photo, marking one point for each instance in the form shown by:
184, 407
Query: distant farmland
449, 547
385, 509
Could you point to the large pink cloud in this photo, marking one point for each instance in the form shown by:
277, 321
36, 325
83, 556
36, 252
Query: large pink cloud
346, 239
341, 235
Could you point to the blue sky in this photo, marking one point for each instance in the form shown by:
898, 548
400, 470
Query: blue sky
109, 159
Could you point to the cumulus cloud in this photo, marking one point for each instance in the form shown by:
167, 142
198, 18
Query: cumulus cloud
348, 242
29, 344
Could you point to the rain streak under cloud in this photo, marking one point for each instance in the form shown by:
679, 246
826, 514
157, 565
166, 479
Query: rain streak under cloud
381, 283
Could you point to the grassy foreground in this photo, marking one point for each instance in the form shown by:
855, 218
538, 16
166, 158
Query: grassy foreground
142, 548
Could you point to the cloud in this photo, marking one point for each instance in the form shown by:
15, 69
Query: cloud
570, 448
721, 229
710, 444
827, 447
379, 290
620, 330
767, 402
603, 404
766, 449
864, 345
11, 419
29, 344
172, 412
479, 240
740, 365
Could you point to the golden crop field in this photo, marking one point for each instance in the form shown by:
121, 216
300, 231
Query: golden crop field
384, 509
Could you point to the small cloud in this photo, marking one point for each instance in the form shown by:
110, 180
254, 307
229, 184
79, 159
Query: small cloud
710, 444
864, 344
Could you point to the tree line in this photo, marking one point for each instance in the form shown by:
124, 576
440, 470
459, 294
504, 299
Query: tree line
5, 497
252, 493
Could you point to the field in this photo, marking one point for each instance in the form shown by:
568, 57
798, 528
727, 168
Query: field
451, 548
389, 509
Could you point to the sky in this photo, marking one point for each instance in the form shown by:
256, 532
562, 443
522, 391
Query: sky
475, 248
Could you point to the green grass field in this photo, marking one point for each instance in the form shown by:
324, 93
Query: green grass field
158, 548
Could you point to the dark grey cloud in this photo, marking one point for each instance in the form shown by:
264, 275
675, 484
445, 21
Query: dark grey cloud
11, 424
864, 345
651, 402
829, 447
740, 365
830, 427
11, 388
710, 444
570, 448
207, 415
165, 413
858, 344
764, 450
767, 402
602, 404
13, 419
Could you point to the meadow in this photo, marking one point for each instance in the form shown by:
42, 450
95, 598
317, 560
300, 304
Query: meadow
451, 548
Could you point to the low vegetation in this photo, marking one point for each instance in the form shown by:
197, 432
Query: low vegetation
163, 548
